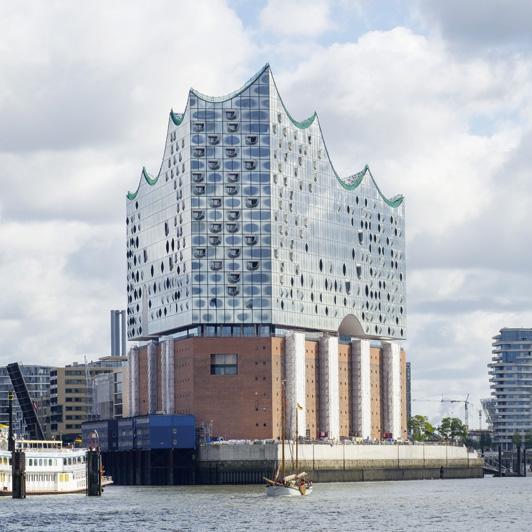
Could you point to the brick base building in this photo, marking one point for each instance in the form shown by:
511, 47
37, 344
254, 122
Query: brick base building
232, 385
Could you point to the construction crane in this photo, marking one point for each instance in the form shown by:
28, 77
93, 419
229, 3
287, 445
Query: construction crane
442, 400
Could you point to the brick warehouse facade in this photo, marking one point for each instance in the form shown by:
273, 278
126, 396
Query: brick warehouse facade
180, 376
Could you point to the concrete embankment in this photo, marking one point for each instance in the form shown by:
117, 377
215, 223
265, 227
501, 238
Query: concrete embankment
247, 463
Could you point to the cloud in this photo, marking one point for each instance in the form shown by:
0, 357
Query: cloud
480, 23
291, 18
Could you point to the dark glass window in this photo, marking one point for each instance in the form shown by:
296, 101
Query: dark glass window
224, 364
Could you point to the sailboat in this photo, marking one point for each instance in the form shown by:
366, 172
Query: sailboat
296, 484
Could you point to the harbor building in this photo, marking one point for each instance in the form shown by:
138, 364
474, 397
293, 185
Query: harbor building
72, 394
252, 262
510, 373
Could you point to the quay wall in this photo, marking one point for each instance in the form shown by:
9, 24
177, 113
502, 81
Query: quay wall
243, 463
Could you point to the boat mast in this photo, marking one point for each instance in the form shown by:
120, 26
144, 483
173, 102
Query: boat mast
283, 407
297, 435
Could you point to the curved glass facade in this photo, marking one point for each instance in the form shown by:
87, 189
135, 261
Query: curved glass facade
248, 223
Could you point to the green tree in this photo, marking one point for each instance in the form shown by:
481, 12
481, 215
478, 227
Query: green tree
516, 439
420, 428
452, 429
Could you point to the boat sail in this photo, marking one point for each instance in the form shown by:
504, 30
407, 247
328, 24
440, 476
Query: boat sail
297, 483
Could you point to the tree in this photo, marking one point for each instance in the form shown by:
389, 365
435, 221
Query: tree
420, 428
516, 439
452, 428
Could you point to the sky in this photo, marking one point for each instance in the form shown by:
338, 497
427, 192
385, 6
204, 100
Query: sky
435, 96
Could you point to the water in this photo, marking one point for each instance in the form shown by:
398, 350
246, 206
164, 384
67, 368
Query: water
475, 504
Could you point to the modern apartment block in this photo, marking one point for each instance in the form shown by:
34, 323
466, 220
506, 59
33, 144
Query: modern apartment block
71, 394
252, 262
37, 379
511, 384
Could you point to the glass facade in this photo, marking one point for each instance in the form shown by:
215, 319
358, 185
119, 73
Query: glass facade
511, 384
248, 225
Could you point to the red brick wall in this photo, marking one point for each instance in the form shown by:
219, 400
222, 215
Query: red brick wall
344, 387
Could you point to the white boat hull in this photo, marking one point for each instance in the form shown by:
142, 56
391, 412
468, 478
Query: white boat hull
286, 491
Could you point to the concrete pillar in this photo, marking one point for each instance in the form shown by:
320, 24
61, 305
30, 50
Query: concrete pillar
123, 329
391, 393
167, 376
361, 387
114, 332
295, 384
152, 377
133, 378
329, 387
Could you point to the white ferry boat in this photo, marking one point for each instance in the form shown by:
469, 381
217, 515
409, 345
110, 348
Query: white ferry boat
50, 468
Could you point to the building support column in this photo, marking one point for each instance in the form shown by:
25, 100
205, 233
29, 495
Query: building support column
134, 398
329, 387
167, 376
391, 393
361, 387
152, 377
295, 384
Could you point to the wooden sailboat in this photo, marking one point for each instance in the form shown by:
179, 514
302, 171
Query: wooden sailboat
296, 484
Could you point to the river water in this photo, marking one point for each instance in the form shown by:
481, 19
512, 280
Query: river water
450, 505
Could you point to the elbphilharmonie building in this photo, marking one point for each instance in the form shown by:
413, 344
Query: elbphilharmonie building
247, 235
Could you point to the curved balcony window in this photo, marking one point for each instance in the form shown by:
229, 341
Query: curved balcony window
213, 139
233, 177
216, 265
198, 127
250, 165
233, 253
197, 177
231, 190
252, 202
251, 140
233, 291
233, 277
199, 253
233, 215
199, 190
198, 152
250, 240
232, 228
252, 265
231, 152
214, 165
216, 202
215, 240
215, 228
198, 215
232, 127
230, 114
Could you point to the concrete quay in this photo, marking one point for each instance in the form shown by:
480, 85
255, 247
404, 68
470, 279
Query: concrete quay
247, 463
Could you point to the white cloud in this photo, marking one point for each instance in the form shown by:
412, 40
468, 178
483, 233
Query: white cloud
293, 18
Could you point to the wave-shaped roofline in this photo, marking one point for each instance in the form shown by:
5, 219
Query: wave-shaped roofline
350, 183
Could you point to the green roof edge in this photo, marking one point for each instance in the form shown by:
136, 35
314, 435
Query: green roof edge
148, 178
